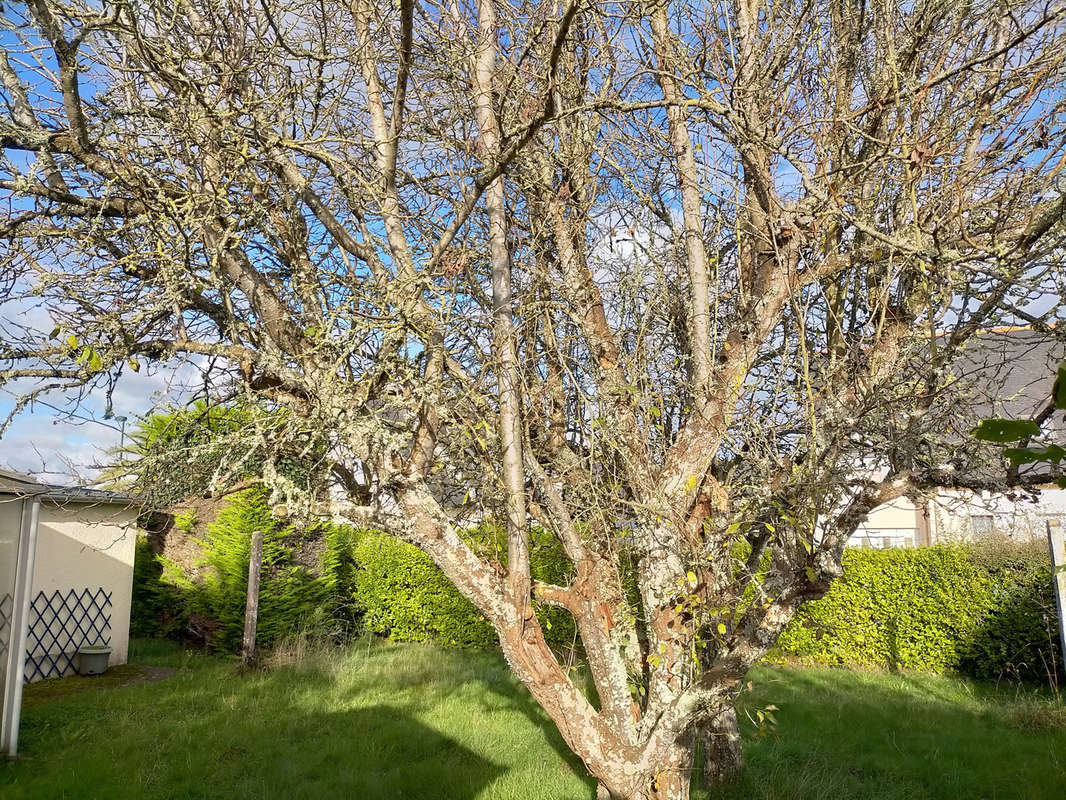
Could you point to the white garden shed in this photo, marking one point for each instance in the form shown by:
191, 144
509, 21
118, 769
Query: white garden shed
66, 582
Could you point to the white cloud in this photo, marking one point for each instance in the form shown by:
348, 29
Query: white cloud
60, 440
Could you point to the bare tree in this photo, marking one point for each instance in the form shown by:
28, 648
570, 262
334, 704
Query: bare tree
686, 285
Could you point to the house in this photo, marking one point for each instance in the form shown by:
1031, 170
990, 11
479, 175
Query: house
1010, 373
66, 582
957, 516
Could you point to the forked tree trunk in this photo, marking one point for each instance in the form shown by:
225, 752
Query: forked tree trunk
674, 777
671, 781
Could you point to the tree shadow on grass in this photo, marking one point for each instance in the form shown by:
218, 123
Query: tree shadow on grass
252, 740
412, 719
482, 681
415, 724
378, 752
871, 735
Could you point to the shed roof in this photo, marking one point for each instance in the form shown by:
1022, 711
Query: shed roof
14, 483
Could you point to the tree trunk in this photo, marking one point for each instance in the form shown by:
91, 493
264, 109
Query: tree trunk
251, 606
670, 782
674, 777
723, 757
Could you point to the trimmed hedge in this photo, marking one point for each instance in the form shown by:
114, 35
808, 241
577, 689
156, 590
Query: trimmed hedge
367, 580
987, 611
405, 596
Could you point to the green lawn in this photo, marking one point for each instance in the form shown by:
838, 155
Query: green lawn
406, 721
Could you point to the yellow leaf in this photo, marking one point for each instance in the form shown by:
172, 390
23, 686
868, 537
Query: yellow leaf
721, 628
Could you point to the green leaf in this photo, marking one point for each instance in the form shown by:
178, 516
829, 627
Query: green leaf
1022, 455
72, 342
93, 361
55, 332
721, 628
1058, 391
1030, 455
1005, 430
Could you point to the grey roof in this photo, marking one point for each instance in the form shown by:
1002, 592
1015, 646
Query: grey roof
1010, 373
27, 486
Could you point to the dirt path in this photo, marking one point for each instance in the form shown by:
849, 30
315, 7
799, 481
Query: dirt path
114, 678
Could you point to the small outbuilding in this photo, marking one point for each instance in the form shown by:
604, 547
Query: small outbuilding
66, 583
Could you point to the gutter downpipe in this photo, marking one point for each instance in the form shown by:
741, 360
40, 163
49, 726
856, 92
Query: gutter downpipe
20, 612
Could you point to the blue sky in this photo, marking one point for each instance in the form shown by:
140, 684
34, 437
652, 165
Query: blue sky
59, 439
62, 440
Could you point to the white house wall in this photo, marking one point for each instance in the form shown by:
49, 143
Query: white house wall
894, 524
957, 516
965, 516
89, 546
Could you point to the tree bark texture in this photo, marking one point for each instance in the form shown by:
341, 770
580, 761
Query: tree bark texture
723, 757
251, 605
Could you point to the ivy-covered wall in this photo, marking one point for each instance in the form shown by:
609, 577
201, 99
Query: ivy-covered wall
986, 611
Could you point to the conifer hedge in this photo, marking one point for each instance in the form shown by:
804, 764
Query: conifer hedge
210, 605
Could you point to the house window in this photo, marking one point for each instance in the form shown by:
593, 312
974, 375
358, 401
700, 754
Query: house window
981, 524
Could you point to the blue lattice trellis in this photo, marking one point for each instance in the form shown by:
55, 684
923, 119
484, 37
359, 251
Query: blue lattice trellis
60, 624
7, 607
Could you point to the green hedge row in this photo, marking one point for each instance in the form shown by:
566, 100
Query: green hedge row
986, 611
403, 594
366, 581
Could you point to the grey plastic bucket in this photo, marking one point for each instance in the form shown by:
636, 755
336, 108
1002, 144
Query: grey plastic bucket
92, 660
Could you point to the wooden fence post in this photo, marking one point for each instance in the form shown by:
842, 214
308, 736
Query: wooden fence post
251, 606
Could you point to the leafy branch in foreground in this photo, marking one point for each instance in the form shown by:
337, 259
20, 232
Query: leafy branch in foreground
1002, 431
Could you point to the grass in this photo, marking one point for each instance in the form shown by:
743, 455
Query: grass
406, 721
